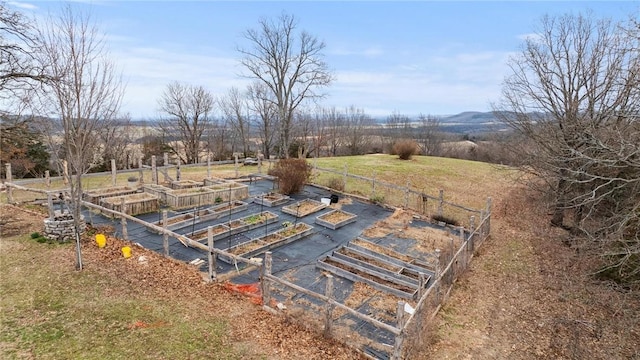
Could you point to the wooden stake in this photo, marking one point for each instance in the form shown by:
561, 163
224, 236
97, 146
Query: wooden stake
114, 172
154, 170
123, 220
212, 255
266, 290
397, 348
328, 307
165, 236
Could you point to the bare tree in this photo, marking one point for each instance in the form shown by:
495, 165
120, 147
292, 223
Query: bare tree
429, 134
335, 122
235, 109
85, 95
265, 115
189, 109
115, 139
357, 124
574, 95
20, 43
290, 65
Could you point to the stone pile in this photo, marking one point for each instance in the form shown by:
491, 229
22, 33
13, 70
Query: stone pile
61, 228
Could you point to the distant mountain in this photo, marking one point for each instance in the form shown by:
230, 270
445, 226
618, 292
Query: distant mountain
470, 117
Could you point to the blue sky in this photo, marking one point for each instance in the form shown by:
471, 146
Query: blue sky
430, 57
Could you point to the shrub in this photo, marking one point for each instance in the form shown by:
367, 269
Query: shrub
35, 235
336, 183
292, 174
405, 149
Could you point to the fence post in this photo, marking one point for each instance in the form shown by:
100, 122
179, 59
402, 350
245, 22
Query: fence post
165, 236
472, 227
141, 171
373, 185
266, 291
65, 172
437, 276
397, 348
123, 220
114, 172
441, 202
235, 162
212, 255
406, 195
488, 214
178, 169
165, 157
154, 170
9, 176
328, 307
52, 211
344, 179
47, 179
422, 282
259, 164
208, 165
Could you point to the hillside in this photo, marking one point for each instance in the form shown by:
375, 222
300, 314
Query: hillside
526, 296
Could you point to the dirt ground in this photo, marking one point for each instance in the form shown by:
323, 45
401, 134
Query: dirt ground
525, 296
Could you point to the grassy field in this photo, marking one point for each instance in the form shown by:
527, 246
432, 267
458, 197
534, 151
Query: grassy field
51, 311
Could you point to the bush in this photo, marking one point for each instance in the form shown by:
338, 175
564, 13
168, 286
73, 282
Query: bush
405, 149
336, 183
35, 235
292, 174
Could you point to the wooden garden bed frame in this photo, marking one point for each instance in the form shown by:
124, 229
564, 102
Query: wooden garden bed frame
271, 199
134, 204
321, 220
294, 209
185, 184
210, 213
243, 224
94, 196
262, 244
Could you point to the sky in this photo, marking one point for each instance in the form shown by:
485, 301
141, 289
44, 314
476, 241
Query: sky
414, 57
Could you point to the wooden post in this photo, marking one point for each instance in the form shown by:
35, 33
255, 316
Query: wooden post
178, 169
472, 227
212, 255
165, 157
266, 291
114, 172
422, 283
165, 236
154, 170
373, 185
259, 164
437, 276
328, 306
65, 172
47, 179
52, 211
235, 157
488, 215
441, 203
9, 176
344, 179
123, 220
141, 171
208, 166
406, 195
397, 347
481, 226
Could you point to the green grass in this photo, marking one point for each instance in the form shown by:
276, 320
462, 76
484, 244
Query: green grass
50, 311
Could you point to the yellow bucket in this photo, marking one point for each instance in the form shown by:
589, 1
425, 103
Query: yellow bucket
101, 240
126, 252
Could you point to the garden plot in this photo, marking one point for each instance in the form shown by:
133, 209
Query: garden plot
185, 184
336, 219
94, 196
271, 199
211, 213
134, 204
303, 208
247, 223
380, 267
268, 242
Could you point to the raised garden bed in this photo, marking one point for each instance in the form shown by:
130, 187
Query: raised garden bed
214, 181
185, 184
303, 208
229, 191
94, 196
336, 219
157, 190
237, 226
135, 204
268, 242
271, 199
211, 213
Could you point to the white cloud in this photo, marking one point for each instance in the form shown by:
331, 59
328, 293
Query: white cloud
535, 37
372, 51
22, 5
